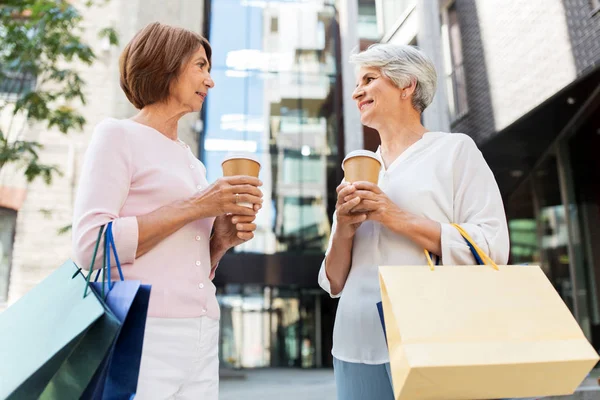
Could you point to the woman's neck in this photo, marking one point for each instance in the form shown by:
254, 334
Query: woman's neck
162, 117
397, 136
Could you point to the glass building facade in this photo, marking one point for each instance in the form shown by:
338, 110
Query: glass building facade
277, 94
554, 217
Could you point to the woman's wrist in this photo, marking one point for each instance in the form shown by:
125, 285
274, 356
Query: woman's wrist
217, 244
195, 207
399, 221
421, 230
217, 250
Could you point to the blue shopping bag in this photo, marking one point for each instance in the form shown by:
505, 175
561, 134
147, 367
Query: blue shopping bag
128, 300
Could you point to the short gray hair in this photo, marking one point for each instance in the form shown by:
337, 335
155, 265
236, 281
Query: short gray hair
402, 64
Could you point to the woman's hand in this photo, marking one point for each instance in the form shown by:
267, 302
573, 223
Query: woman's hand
233, 230
370, 199
425, 232
347, 221
224, 196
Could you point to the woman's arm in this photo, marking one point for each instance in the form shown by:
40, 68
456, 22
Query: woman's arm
423, 231
478, 209
104, 187
219, 198
336, 265
338, 258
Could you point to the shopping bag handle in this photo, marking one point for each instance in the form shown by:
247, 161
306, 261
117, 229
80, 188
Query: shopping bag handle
109, 242
480, 256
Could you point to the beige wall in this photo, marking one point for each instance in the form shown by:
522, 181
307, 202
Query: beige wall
38, 250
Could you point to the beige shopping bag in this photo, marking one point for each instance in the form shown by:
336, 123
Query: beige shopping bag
474, 332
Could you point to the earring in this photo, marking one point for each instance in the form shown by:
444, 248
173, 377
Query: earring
403, 95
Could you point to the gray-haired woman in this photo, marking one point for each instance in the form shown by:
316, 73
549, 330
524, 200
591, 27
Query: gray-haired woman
428, 181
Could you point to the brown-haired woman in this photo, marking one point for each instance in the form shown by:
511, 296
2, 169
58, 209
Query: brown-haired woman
139, 175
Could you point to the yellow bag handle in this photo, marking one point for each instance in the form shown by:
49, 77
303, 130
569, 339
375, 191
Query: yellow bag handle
484, 257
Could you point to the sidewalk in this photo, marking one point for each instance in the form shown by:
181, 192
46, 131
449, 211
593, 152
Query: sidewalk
278, 384
318, 384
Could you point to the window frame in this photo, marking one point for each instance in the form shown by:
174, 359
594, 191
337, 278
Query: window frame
458, 104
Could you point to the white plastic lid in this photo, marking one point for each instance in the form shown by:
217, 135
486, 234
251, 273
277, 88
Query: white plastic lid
361, 153
241, 155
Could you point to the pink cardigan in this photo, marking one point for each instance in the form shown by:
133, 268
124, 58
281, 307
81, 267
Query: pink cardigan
131, 169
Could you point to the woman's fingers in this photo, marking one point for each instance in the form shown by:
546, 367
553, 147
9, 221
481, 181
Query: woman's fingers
366, 206
242, 180
245, 235
342, 186
246, 198
363, 194
345, 192
363, 185
236, 219
345, 208
238, 210
353, 219
245, 227
245, 189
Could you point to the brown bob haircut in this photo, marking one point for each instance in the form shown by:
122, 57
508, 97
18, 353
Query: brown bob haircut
152, 60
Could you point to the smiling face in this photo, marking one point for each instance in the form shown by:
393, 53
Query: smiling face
191, 86
376, 97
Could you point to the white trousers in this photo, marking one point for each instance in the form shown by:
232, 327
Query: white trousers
180, 359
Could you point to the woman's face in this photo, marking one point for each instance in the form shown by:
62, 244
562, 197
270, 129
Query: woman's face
376, 96
191, 87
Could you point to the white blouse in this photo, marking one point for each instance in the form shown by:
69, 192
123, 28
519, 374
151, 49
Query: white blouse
445, 178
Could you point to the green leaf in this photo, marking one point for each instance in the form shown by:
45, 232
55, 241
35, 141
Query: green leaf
39, 42
65, 229
111, 34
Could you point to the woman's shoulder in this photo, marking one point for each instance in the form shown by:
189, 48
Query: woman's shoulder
115, 130
110, 134
455, 141
111, 126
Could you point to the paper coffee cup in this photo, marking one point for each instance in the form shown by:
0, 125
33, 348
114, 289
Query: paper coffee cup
361, 165
246, 164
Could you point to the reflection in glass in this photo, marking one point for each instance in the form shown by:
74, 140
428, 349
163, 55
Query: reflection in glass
522, 225
268, 326
585, 208
553, 229
275, 81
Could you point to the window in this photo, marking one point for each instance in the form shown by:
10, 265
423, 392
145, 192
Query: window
367, 20
453, 63
274, 24
16, 83
8, 221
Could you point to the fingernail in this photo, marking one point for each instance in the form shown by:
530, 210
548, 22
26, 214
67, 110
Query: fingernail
239, 226
234, 220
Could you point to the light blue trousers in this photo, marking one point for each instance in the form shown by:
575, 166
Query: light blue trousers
355, 381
